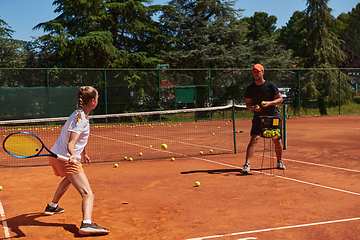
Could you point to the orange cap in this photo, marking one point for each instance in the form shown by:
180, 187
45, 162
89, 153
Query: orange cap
258, 67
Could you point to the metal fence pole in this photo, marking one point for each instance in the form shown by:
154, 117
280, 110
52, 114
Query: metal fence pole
285, 127
106, 93
299, 90
234, 128
339, 91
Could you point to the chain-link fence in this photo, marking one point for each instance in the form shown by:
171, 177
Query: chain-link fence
46, 93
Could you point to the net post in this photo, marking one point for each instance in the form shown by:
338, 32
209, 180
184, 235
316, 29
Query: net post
234, 128
285, 127
159, 83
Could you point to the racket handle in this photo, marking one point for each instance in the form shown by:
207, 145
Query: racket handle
62, 158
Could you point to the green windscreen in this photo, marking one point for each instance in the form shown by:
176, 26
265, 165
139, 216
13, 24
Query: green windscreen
37, 102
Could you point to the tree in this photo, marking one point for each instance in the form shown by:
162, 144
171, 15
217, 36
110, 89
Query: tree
205, 34
350, 34
12, 51
322, 50
323, 46
260, 25
292, 35
98, 33
5, 30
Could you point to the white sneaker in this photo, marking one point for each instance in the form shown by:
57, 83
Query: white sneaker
246, 168
280, 165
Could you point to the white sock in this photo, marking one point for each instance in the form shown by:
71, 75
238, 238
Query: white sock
88, 221
52, 204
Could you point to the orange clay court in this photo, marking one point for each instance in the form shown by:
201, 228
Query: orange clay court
316, 197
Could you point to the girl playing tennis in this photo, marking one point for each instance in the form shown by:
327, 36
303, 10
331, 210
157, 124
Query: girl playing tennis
71, 143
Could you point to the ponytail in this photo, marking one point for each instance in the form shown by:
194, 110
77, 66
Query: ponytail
85, 94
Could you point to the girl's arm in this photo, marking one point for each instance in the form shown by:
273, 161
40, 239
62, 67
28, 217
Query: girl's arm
71, 145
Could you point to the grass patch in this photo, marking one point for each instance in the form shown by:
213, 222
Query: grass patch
348, 109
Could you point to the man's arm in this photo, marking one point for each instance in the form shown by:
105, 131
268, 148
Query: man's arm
248, 103
278, 99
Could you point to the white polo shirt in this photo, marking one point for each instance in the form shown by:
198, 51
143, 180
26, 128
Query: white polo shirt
82, 128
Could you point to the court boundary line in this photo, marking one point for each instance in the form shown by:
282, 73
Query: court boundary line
277, 228
286, 178
316, 164
3, 220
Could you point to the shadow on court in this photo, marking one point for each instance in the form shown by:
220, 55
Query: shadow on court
31, 219
221, 171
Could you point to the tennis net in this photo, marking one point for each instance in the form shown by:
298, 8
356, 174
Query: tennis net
139, 136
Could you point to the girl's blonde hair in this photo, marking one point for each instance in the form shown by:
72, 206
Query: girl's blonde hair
85, 94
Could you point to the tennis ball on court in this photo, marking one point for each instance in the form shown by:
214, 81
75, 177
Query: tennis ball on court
195, 126
136, 135
201, 152
211, 150
150, 146
130, 159
125, 157
218, 127
213, 133
172, 159
164, 146
197, 183
1, 188
116, 165
140, 154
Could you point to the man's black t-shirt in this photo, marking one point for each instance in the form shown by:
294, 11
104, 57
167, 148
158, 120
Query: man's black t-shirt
265, 92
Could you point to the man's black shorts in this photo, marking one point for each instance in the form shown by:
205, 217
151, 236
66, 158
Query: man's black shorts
256, 126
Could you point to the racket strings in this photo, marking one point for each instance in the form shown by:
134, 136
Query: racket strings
23, 145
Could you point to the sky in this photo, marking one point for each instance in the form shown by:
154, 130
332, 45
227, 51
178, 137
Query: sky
23, 15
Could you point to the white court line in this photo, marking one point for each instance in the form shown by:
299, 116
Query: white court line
278, 228
233, 166
286, 178
316, 164
4, 223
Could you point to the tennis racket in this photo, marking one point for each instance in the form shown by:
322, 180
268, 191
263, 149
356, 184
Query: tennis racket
27, 145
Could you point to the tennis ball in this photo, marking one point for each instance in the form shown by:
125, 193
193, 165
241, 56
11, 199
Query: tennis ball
213, 133
150, 146
172, 159
218, 127
164, 146
211, 150
201, 152
125, 157
263, 102
257, 107
136, 135
1, 188
130, 159
116, 165
195, 126
140, 154
197, 183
